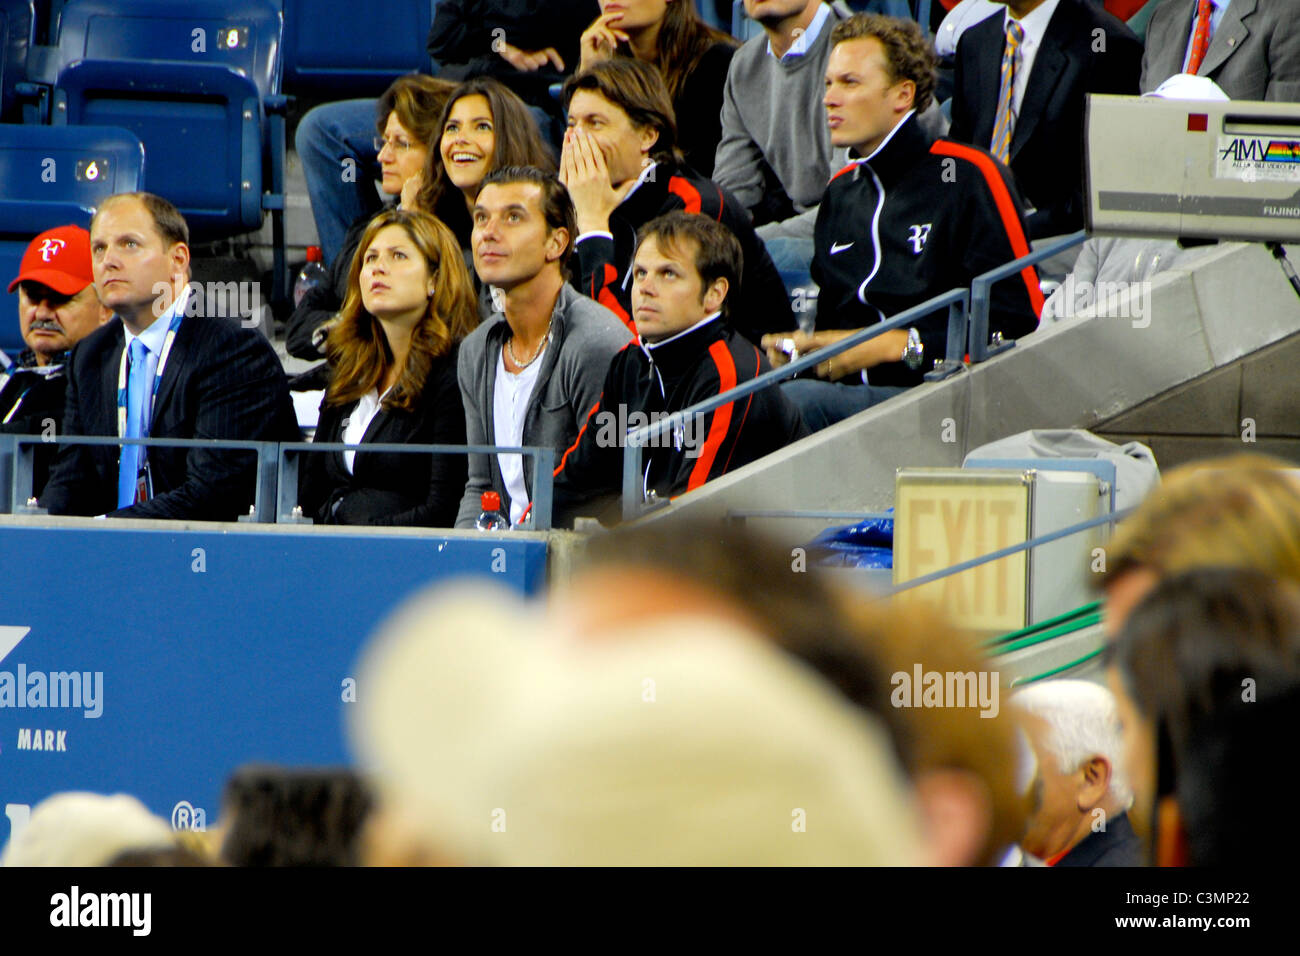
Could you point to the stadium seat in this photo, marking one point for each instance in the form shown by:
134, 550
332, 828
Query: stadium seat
319, 64
199, 84
54, 176
16, 18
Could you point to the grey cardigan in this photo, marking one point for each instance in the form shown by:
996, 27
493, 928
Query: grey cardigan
585, 337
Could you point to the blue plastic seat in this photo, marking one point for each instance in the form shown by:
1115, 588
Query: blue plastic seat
16, 19
324, 59
199, 83
54, 176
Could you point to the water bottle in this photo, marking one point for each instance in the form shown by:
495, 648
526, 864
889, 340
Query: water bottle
312, 275
491, 518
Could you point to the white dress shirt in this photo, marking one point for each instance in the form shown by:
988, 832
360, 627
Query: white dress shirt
359, 421
1035, 26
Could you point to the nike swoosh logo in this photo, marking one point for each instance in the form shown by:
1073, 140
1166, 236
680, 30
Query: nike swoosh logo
9, 638
839, 246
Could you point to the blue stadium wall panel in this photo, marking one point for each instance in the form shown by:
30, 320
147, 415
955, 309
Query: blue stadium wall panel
197, 651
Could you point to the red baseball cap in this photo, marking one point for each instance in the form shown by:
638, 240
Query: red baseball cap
58, 258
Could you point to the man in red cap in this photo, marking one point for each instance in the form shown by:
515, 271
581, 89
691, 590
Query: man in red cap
57, 307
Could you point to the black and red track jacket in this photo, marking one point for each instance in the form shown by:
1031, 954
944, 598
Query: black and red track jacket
650, 381
919, 217
604, 269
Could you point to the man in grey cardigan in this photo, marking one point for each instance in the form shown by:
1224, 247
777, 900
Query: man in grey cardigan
530, 375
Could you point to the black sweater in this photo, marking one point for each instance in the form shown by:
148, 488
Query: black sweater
699, 108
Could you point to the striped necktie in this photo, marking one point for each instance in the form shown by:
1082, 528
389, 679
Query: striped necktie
1000, 146
1200, 36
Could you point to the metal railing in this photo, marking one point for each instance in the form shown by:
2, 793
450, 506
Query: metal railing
968, 334
543, 464
638, 439
275, 496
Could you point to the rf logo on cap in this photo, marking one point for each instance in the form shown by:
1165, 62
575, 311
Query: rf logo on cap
51, 248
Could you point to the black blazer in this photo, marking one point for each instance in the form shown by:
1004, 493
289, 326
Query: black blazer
221, 381
387, 488
31, 401
1047, 145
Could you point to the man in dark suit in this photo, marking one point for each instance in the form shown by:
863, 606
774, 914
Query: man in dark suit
162, 371
1251, 48
1020, 85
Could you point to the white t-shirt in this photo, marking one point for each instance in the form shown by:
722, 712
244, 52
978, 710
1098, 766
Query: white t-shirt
510, 398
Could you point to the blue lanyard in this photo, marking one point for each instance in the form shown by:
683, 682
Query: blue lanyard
157, 378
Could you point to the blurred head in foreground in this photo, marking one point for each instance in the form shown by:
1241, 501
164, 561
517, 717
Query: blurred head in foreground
1206, 673
86, 829
284, 816
495, 737
961, 761
1242, 511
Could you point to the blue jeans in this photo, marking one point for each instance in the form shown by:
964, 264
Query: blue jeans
340, 192
824, 403
793, 258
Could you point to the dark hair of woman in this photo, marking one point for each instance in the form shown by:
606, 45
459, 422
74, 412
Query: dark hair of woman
683, 40
517, 141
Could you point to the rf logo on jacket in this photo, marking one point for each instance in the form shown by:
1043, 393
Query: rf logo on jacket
918, 237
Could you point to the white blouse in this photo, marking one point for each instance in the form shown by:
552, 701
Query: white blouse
359, 420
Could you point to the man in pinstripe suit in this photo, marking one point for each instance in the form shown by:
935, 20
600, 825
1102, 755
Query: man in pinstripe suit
162, 371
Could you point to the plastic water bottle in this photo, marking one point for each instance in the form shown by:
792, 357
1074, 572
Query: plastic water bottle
312, 275
491, 518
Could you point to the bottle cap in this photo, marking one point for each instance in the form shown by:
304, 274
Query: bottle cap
490, 501
314, 254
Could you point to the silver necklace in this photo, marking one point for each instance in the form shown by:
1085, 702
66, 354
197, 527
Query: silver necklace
536, 352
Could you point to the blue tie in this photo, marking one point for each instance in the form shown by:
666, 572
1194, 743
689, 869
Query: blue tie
136, 395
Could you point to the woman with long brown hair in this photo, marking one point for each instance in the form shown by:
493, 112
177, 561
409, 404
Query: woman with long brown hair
392, 357
484, 126
690, 55
406, 127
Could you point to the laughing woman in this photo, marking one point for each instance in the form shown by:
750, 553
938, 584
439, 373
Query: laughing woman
484, 126
392, 359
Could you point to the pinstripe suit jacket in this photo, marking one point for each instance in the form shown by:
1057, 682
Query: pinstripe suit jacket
220, 381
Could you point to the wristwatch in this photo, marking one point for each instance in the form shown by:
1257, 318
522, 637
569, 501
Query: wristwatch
914, 351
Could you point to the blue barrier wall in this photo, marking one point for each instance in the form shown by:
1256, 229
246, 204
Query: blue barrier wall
197, 650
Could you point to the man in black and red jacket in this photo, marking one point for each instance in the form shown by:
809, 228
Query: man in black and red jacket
686, 269
622, 168
910, 219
